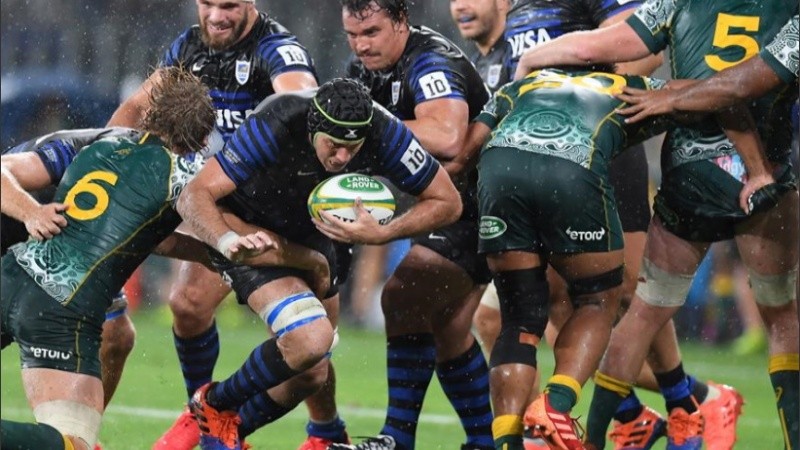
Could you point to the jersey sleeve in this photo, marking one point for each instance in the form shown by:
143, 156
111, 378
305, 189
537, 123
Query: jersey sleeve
173, 55
57, 156
496, 108
253, 147
433, 76
652, 21
281, 53
782, 53
602, 10
405, 163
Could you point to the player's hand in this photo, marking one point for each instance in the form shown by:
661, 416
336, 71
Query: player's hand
643, 103
760, 193
46, 221
249, 245
364, 230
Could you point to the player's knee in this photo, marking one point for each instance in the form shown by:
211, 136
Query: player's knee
310, 381
71, 419
523, 298
599, 291
300, 323
190, 303
119, 337
774, 290
658, 287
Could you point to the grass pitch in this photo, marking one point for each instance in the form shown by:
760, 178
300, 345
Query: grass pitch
152, 394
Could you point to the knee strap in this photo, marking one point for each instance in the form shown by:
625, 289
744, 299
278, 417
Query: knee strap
774, 290
292, 312
70, 419
596, 283
658, 287
524, 300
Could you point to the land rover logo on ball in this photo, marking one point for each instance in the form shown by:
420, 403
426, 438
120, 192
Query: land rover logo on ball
491, 227
360, 183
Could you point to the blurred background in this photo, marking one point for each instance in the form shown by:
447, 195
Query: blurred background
68, 64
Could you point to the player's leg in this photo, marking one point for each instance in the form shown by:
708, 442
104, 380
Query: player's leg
768, 243
487, 319
119, 336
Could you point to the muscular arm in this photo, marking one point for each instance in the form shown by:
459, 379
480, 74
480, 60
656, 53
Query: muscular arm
612, 44
132, 110
441, 126
644, 66
468, 158
293, 81
20, 173
183, 246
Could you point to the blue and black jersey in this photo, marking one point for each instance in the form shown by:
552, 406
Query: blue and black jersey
492, 66
241, 76
275, 167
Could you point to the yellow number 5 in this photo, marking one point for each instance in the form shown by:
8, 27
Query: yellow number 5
87, 185
724, 38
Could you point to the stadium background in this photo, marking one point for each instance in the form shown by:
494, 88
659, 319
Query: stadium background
67, 64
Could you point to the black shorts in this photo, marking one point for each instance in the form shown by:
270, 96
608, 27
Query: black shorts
458, 243
628, 174
244, 280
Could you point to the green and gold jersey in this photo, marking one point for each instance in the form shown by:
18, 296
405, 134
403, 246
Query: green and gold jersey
120, 195
782, 54
570, 115
704, 37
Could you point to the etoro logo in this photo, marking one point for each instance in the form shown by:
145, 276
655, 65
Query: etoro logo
585, 235
46, 353
491, 227
360, 183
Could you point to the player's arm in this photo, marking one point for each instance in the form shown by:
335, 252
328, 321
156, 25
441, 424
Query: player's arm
293, 81
441, 126
183, 246
132, 110
644, 66
439, 204
468, 157
197, 204
20, 173
748, 80
615, 43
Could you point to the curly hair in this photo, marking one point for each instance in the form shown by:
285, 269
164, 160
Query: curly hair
180, 111
360, 9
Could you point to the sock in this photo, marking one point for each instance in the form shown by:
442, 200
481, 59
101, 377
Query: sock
260, 410
562, 391
465, 382
698, 389
263, 369
410, 360
784, 371
197, 355
29, 436
609, 393
507, 432
332, 431
674, 386
629, 409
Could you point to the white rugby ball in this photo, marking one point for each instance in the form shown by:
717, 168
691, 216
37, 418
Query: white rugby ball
337, 196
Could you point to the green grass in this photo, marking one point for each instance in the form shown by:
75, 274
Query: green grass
152, 393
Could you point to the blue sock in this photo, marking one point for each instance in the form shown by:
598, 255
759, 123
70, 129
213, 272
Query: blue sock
674, 386
629, 409
410, 361
263, 369
197, 356
465, 381
259, 411
332, 431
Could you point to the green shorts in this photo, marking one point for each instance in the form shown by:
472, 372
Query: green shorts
699, 201
48, 334
544, 204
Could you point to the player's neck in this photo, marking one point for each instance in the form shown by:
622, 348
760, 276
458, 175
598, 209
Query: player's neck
487, 42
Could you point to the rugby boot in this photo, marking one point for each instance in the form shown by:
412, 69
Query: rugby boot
640, 433
184, 434
721, 415
559, 430
219, 430
379, 442
318, 443
684, 430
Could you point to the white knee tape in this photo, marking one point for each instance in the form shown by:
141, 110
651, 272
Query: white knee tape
335, 339
70, 419
661, 288
291, 312
489, 298
774, 290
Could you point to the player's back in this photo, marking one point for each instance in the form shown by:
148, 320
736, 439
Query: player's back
569, 115
119, 194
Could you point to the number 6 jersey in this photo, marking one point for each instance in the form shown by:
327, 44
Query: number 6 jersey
120, 194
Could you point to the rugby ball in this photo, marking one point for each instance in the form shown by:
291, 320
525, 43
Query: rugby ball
338, 194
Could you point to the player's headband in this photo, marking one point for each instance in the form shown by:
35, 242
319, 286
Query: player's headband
339, 130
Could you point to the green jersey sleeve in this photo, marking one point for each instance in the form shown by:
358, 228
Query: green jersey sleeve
652, 21
496, 108
782, 53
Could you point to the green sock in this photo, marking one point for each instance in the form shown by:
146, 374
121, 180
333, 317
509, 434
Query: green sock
608, 394
561, 397
509, 443
30, 436
787, 391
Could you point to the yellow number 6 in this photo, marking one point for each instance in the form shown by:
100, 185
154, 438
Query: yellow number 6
87, 185
723, 38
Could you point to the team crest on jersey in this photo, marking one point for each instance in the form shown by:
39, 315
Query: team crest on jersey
242, 71
493, 76
395, 92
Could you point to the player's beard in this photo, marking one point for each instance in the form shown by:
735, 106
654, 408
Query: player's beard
215, 43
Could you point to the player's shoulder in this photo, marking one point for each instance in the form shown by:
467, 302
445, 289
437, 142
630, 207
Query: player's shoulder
285, 106
426, 42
